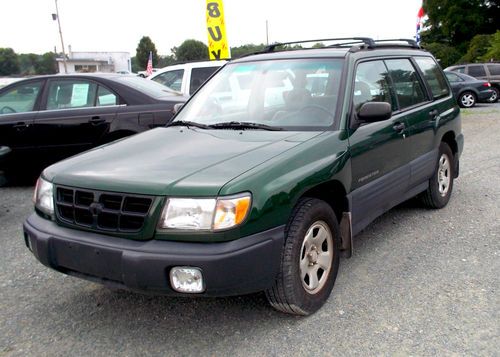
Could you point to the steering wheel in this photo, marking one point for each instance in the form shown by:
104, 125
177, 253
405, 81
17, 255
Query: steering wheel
317, 108
7, 110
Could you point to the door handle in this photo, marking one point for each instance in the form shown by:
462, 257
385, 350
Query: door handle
96, 120
20, 126
433, 114
399, 127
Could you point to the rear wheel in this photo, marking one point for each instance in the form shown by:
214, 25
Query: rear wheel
494, 96
441, 183
310, 259
467, 99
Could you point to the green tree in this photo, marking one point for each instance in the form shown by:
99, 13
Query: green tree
458, 21
237, 52
9, 63
477, 48
142, 53
493, 51
164, 61
46, 64
446, 55
191, 50
27, 63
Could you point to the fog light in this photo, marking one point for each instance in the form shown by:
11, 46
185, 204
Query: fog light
186, 280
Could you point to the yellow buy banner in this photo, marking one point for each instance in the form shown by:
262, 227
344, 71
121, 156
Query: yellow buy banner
218, 47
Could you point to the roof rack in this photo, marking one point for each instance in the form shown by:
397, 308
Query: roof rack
355, 43
353, 40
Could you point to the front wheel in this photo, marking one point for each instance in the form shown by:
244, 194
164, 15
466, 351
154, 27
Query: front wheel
310, 259
441, 183
467, 100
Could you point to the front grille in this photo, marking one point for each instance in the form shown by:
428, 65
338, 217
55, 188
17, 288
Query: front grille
104, 211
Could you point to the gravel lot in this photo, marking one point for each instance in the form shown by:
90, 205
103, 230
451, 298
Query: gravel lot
420, 282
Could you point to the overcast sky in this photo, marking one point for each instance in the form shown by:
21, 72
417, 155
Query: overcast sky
118, 25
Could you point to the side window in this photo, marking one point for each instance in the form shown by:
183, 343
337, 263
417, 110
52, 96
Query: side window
71, 94
408, 88
199, 76
434, 76
459, 70
171, 79
20, 99
452, 77
372, 84
105, 97
477, 71
494, 69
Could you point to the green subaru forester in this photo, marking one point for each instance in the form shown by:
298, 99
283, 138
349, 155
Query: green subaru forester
261, 180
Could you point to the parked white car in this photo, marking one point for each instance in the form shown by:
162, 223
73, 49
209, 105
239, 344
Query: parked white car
187, 77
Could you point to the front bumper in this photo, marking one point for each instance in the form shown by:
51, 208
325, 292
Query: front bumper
242, 266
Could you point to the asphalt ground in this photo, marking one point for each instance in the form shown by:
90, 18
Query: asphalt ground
420, 282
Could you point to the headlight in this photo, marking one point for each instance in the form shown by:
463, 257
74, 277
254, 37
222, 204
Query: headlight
205, 213
44, 197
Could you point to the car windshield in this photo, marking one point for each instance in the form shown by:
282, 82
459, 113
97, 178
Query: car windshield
151, 88
279, 93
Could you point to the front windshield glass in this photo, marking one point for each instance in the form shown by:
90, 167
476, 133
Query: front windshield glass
279, 93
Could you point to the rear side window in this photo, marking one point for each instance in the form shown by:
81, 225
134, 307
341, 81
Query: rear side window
371, 84
477, 71
494, 69
71, 94
199, 76
452, 77
434, 76
406, 84
459, 69
171, 79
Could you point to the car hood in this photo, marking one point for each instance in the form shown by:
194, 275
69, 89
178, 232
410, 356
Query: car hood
174, 161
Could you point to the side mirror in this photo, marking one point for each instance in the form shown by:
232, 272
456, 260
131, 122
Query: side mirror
374, 111
178, 107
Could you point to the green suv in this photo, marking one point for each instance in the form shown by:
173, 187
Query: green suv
261, 180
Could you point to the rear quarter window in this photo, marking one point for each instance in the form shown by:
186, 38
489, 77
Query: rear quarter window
494, 69
477, 71
434, 77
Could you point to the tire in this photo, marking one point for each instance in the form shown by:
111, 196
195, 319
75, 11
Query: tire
310, 259
467, 99
440, 187
494, 96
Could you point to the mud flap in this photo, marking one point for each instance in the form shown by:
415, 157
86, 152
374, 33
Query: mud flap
346, 235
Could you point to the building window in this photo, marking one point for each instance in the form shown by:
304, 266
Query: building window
85, 68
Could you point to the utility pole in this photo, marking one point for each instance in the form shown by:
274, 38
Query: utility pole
267, 34
56, 17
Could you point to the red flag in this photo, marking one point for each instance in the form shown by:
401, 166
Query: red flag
149, 67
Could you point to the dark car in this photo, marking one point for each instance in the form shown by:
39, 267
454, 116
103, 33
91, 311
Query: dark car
257, 189
469, 90
489, 72
44, 119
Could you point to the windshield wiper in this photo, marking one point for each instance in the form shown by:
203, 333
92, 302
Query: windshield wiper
243, 125
188, 124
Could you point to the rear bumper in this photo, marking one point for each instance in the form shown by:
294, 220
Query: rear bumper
238, 267
484, 95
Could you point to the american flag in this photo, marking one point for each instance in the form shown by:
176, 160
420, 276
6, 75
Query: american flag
420, 16
149, 67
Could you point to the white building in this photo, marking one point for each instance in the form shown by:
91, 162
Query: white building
96, 62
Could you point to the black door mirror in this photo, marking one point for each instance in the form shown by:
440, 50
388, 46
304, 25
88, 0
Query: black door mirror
374, 111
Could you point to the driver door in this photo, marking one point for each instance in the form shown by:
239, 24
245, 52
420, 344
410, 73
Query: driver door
19, 104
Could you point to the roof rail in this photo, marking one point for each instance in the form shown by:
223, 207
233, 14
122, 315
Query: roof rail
409, 42
369, 42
